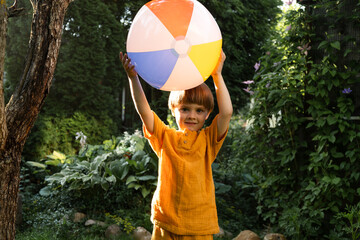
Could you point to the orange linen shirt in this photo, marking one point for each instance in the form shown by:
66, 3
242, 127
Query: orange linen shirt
184, 200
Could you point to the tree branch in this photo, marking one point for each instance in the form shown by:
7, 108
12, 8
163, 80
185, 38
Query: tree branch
14, 11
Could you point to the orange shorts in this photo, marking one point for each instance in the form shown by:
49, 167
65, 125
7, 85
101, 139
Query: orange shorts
162, 234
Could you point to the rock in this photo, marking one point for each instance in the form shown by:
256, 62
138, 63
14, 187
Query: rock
274, 236
79, 217
91, 222
141, 233
112, 231
247, 235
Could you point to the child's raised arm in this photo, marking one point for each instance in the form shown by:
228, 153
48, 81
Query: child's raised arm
223, 98
141, 104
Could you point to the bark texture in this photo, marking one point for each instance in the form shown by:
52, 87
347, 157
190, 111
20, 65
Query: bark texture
3, 25
25, 104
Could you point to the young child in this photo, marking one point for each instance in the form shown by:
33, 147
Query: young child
183, 205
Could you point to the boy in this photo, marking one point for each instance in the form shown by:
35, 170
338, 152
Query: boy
183, 205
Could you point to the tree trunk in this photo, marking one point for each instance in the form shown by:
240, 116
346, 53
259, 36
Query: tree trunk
3, 25
25, 104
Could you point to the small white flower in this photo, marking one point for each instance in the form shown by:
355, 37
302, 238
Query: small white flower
82, 138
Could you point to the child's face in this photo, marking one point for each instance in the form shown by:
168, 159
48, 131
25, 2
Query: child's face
190, 116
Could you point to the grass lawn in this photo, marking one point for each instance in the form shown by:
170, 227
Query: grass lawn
48, 234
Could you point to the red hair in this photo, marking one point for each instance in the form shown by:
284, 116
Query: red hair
201, 95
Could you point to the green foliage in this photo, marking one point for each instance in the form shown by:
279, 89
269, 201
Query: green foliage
293, 167
70, 230
234, 185
50, 218
302, 143
44, 212
87, 77
57, 158
92, 182
17, 38
245, 25
86, 89
38, 234
352, 215
127, 226
125, 159
59, 132
48, 234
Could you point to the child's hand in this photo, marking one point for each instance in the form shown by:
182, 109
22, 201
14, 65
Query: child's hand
220, 64
129, 68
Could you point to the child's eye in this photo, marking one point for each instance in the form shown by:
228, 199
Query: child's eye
200, 110
184, 109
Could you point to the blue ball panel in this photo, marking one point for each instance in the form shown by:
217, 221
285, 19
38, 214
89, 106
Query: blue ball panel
154, 67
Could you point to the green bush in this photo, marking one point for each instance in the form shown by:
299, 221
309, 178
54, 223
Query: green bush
352, 215
58, 133
127, 159
234, 184
113, 182
302, 144
44, 212
108, 182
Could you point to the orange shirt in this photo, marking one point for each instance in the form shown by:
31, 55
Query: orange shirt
184, 200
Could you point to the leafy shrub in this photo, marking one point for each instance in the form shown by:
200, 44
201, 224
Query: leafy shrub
234, 184
127, 159
109, 182
352, 215
302, 144
41, 212
58, 133
124, 222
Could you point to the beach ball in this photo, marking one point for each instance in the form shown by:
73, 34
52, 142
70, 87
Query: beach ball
174, 44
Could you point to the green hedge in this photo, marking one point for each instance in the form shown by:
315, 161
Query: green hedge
302, 142
59, 132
